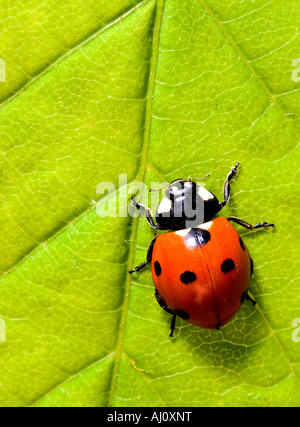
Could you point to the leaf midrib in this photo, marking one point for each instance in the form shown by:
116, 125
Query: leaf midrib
140, 178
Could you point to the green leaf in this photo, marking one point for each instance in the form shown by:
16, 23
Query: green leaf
156, 90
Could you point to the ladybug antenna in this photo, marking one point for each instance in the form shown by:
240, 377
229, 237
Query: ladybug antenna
152, 190
199, 179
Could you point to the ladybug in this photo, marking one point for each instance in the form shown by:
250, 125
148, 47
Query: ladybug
201, 269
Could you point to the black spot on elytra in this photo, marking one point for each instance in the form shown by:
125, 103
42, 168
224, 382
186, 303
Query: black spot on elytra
227, 265
182, 314
157, 268
242, 244
197, 237
188, 277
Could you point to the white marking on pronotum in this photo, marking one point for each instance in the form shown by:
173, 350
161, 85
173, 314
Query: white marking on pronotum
164, 206
183, 233
205, 194
206, 225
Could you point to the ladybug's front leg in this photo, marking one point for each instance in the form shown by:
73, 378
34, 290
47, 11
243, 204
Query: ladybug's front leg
249, 226
248, 298
149, 258
149, 215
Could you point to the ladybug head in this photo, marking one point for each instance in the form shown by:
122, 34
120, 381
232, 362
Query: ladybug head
186, 205
180, 188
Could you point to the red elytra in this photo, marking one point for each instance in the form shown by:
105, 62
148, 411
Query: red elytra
201, 274
203, 283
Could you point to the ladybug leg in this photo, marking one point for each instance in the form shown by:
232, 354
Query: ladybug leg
226, 185
168, 310
149, 258
247, 225
173, 325
149, 215
248, 298
138, 268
